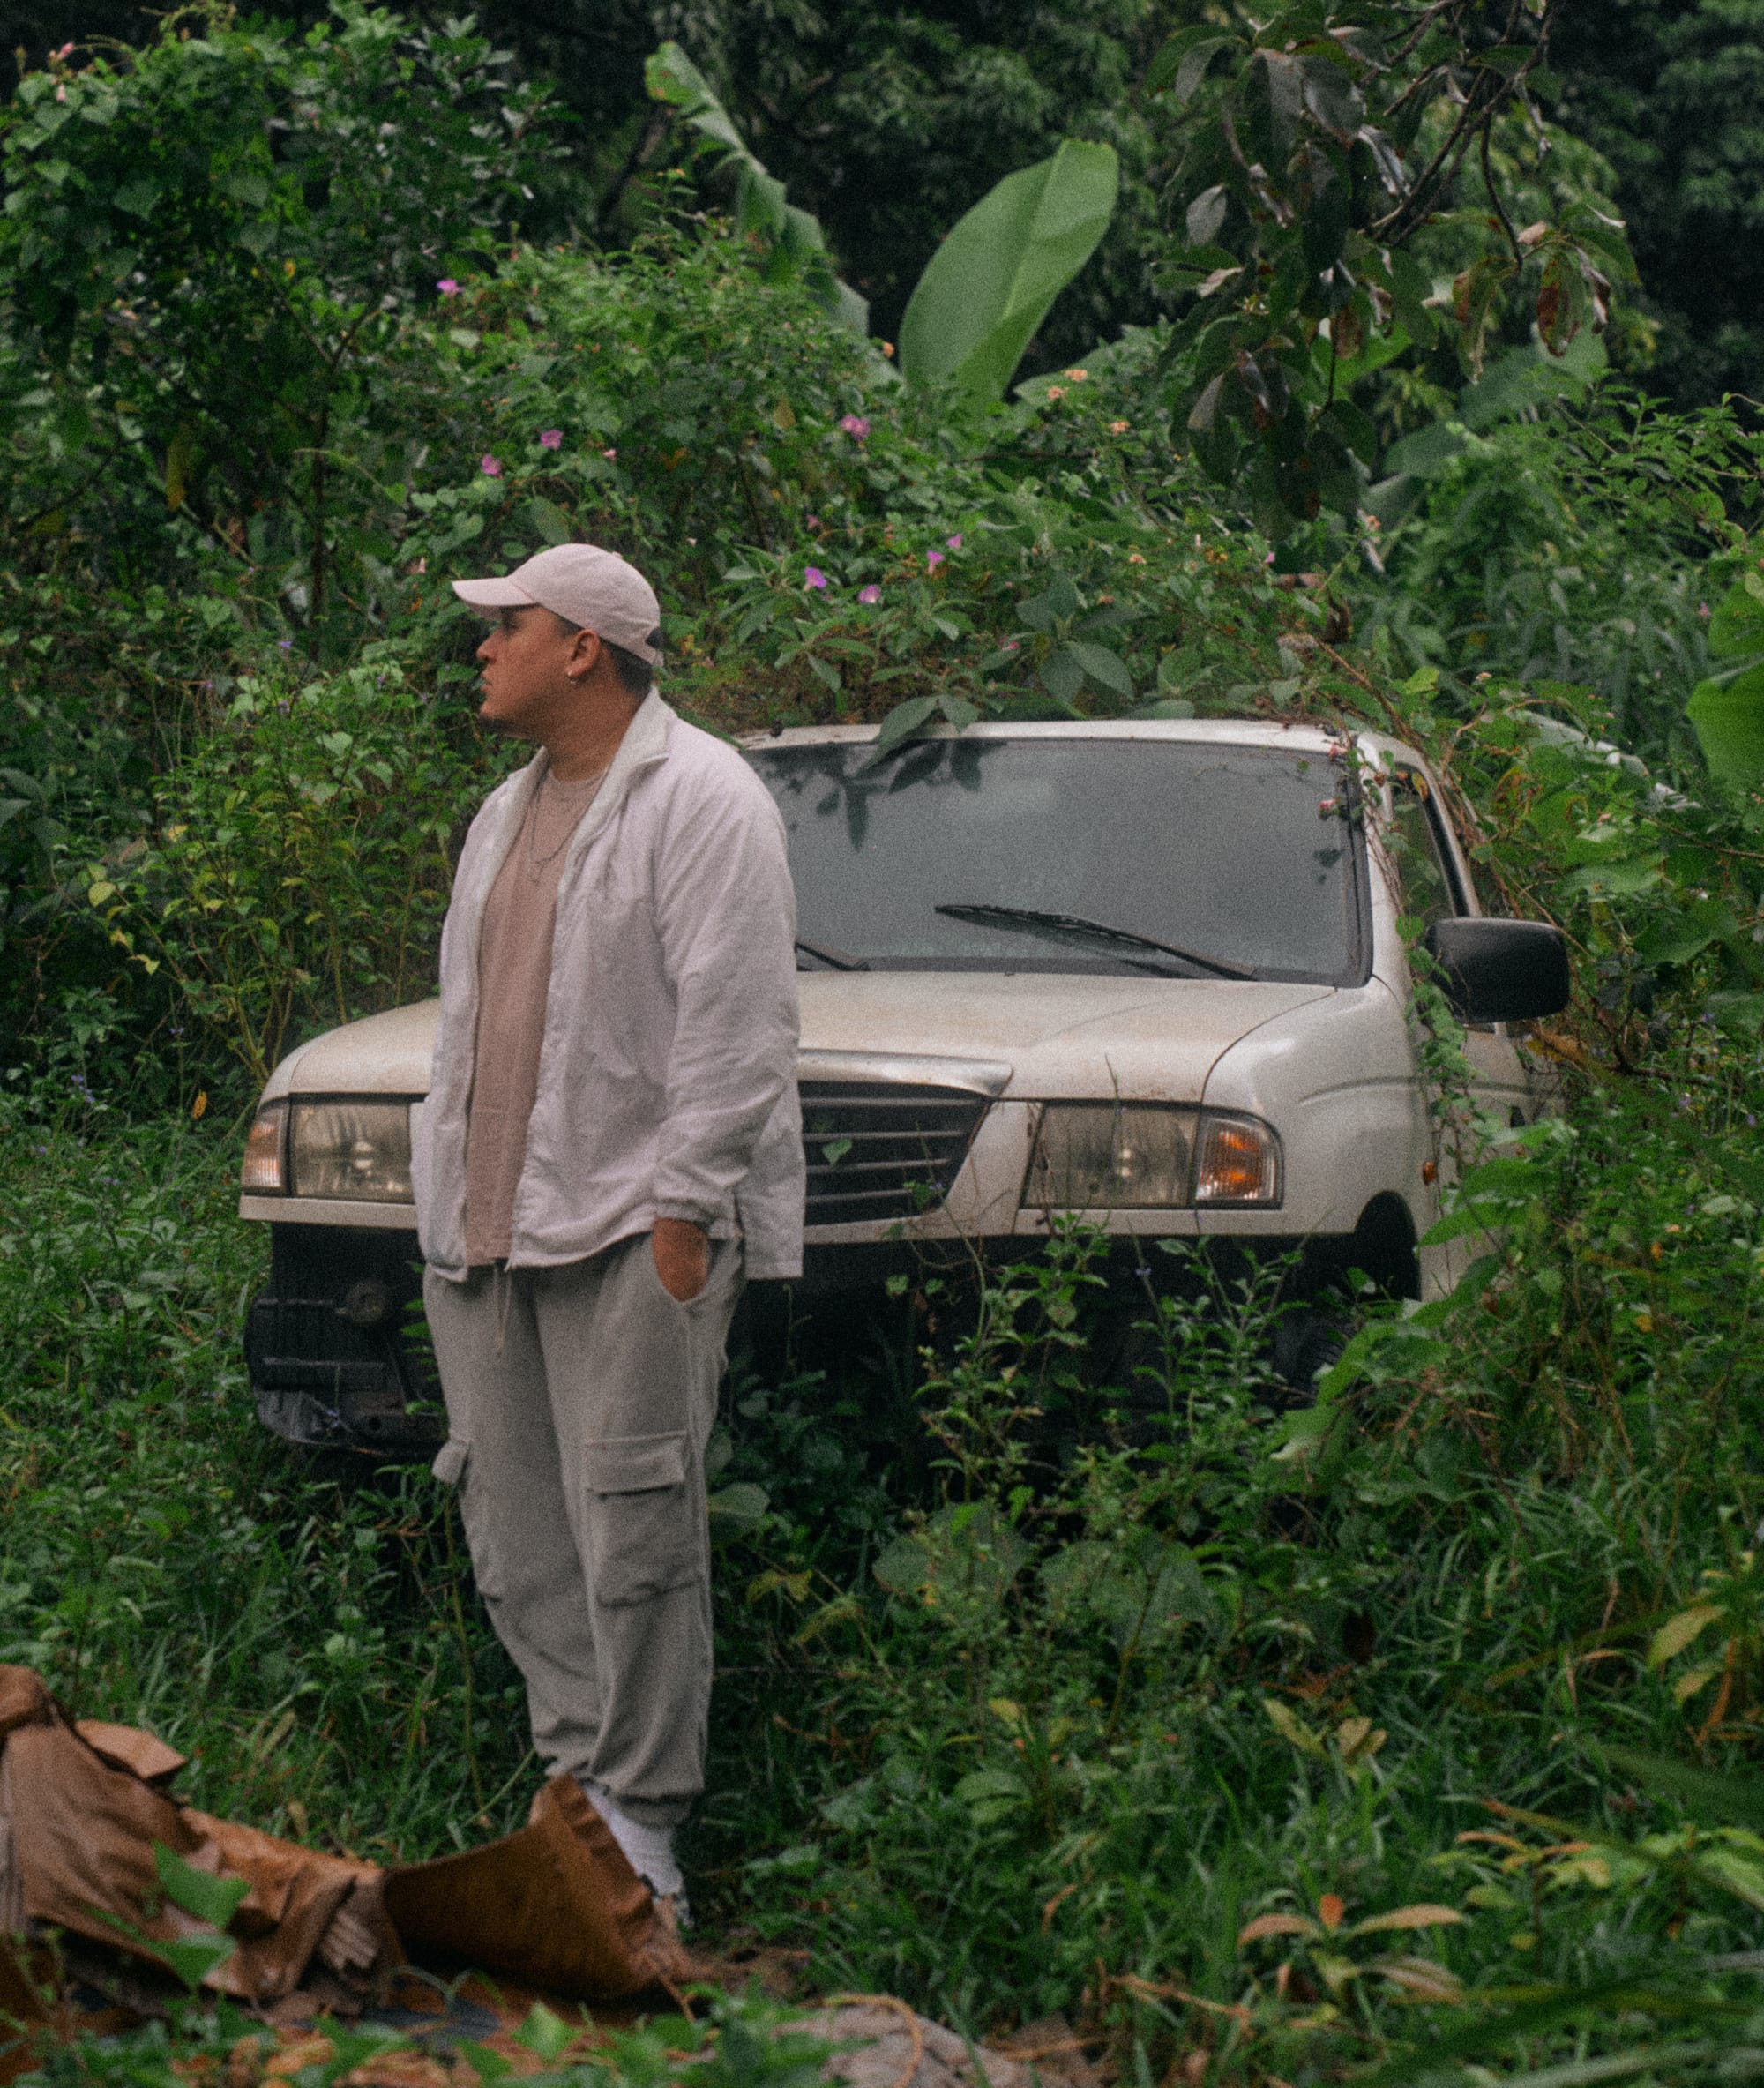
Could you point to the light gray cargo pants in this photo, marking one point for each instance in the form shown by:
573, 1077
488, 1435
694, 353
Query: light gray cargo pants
578, 1403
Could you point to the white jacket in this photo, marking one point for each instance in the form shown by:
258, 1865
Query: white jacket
667, 1073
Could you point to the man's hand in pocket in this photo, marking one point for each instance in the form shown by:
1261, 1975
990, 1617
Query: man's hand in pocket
683, 1257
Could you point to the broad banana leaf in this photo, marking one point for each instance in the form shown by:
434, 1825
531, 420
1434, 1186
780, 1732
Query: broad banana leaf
1728, 711
1727, 707
792, 237
989, 286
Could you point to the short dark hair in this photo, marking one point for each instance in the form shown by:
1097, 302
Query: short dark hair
634, 675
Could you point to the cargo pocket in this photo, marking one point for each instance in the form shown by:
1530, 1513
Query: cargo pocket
452, 1466
645, 1529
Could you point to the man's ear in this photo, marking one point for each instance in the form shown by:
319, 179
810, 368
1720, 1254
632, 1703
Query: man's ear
585, 655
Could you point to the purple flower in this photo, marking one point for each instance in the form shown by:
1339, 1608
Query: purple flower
285, 644
491, 466
551, 438
856, 426
955, 542
872, 593
447, 287
813, 576
933, 560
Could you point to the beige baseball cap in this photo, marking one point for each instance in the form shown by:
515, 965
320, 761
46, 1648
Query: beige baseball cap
584, 585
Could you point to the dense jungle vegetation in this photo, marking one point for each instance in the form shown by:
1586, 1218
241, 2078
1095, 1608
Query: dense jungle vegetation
1412, 1735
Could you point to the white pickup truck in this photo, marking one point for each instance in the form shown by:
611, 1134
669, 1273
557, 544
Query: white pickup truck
1149, 972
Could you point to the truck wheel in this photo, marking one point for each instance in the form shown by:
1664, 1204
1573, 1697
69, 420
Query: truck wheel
1308, 1341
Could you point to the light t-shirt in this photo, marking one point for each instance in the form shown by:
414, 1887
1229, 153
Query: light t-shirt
514, 978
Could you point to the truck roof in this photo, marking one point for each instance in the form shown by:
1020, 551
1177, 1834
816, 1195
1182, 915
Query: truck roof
1305, 735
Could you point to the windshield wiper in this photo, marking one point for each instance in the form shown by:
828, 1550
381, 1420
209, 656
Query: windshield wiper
1025, 917
835, 960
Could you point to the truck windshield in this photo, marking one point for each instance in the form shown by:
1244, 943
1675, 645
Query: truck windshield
968, 854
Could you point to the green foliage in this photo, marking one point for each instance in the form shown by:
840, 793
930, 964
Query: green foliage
988, 287
791, 237
1572, 546
986, 290
297, 867
185, 256
1319, 142
731, 2040
1728, 708
1668, 93
174, 1570
886, 124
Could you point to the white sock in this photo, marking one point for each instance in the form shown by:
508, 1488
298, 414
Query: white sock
648, 1850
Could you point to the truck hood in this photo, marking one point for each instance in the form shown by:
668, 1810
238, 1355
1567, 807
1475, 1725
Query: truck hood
1040, 1034
387, 1054
1030, 1034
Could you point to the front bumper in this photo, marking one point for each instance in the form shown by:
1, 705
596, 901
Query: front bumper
335, 1343
323, 1379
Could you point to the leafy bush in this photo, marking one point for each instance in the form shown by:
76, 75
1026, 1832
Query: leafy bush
189, 263
298, 867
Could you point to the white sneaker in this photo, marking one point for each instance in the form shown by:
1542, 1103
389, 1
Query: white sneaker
648, 1850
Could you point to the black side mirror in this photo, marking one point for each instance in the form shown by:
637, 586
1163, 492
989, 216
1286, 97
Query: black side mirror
1501, 971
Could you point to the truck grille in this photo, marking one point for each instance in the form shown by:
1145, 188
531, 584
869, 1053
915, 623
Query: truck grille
876, 1150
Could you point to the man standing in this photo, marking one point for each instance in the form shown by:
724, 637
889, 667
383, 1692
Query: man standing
611, 1144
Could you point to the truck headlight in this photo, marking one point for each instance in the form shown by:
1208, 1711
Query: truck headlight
359, 1150
265, 1170
1135, 1155
1106, 1155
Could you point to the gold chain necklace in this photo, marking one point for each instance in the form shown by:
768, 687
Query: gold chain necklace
535, 860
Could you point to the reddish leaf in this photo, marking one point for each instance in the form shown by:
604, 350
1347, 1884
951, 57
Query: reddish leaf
1275, 1925
1422, 1916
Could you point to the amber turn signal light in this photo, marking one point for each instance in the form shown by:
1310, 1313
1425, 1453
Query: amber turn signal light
1238, 1161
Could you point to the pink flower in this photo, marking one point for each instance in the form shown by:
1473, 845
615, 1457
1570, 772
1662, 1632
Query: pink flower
1011, 645
447, 287
1056, 391
856, 426
813, 576
611, 456
1117, 427
955, 542
491, 466
871, 594
933, 560
66, 51
551, 438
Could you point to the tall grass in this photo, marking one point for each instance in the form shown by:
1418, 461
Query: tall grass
1036, 1689
305, 1636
